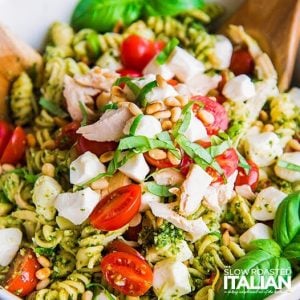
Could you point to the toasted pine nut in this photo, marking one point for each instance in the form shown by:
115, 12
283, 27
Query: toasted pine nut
259, 124
31, 140
226, 238
7, 167
175, 191
183, 100
102, 99
44, 261
136, 220
228, 227
154, 107
99, 184
104, 192
205, 116
87, 295
175, 114
117, 94
159, 222
43, 273
164, 114
173, 160
294, 144
172, 101
268, 128
48, 170
263, 116
107, 156
134, 109
157, 154
43, 284
50, 145
160, 81
166, 124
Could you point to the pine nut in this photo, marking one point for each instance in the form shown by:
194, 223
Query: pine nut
182, 99
263, 116
173, 160
104, 192
44, 261
164, 114
159, 222
50, 145
268, 128
154, 107
175, 114
99, 184
228, 227
102, 99
205, 116
226, 238
294, 144
171, 101
107, 156
7, 167
135, 221
157, 154
160, 81
42, 284
48, 170
43, 273
87, 295
117, 94
175, 191
166, 124
31, 140
134, 109
259, 124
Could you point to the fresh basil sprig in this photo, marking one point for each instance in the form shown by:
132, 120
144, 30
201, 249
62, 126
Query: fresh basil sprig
289, 166
141, 98
163, 56
128, 81
158, 190
135, 124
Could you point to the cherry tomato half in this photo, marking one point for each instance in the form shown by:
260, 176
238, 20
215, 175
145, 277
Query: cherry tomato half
130, 73
15, 149
118, 208
217, 110
21, 279
242, 62
68, 135
136, 52
158, 163
120, 246
251, 178
185, 164
5, 134
127, 273
97, 148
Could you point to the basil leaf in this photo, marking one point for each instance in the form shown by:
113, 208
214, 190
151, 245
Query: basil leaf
170, 7
49, 252
219, 149
141, 98
267, 245
158, 190
84, 114
25, 174
183, 123
103, 15
163, 56
127, 80
109, 106
93, 44
99, 176
292, 251
52, 108
119, 160
254, 262
287, 220
164, 136
135, 124
243, 163
288, 165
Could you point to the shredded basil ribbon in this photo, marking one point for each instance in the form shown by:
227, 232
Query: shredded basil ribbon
127, 80
84, 114
52, 107
158, 190
141, 98
219, 149
288, 165
243, 163
135, 124
109, 106
183, 123
163, 56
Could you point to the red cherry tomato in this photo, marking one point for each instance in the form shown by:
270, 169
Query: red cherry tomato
127, 273
130, 73
5, 134
21, 279
251, 178
118, 208
119, 246
228, 161
159, 45
158, 163
217, 110
68, 135
185, 164
97, 148
242, 62
15, 148
172, 82
136, 52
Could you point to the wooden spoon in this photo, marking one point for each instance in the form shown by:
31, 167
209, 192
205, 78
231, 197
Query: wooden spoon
15, 57
275, 24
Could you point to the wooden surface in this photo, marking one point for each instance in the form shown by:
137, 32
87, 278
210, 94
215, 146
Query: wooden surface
15, 56
275, 24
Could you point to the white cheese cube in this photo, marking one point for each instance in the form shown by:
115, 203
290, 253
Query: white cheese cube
256, 232
266, 204
44, 194
76, 207
196, 130
160, 93
142, 81
223, 51
193, 190
148, 197
263, 148
10, 241
171, 279
148, 126
286, 174
184, 65
154, 68
85, 167
239, 88
295, 95
136, 168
